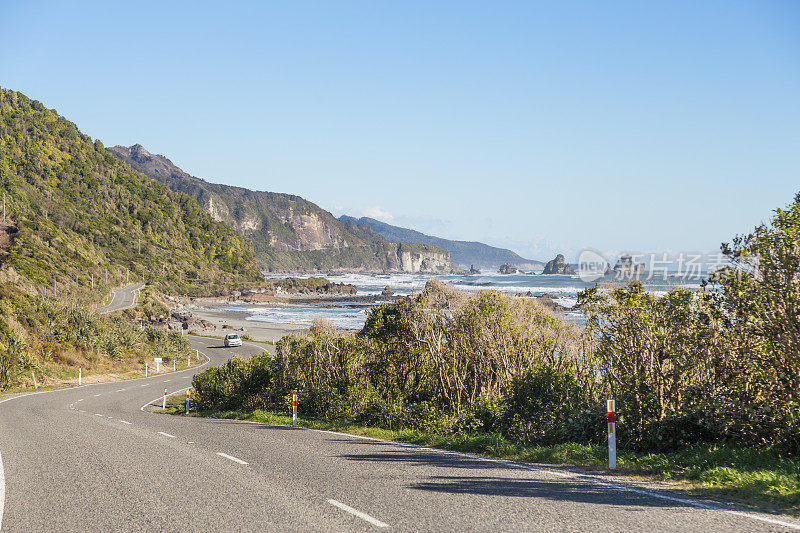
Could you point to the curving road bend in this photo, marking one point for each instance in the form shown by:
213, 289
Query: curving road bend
93, 458
122, 298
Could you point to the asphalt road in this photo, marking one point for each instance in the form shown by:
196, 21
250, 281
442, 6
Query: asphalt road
93, 458
122, 298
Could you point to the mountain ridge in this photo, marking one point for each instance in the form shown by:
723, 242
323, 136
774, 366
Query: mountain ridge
462, 253
289, 233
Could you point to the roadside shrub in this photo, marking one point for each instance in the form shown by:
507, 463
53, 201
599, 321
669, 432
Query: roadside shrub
675, 432
540, 401
236, 384
587, 427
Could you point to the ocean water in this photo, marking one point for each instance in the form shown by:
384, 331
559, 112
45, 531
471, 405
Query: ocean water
346, 315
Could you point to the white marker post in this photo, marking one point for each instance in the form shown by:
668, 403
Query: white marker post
173, 365
35, 385
612, 434
294, 409
79, 375
164, 401
145, 369
197, 354
158, 364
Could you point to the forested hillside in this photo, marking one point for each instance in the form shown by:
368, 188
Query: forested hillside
288, 232
79, 223
78, 211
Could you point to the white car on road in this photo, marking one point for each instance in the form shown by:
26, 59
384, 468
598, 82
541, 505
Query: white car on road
232, 339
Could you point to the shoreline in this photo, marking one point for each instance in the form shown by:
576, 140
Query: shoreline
225, 322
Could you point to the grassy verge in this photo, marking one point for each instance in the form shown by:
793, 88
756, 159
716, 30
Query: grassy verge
751, 477
51, 375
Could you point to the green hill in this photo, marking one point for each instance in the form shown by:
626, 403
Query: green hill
78, 223
79, 212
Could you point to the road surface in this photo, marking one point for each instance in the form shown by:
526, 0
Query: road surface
93, 458
123, 298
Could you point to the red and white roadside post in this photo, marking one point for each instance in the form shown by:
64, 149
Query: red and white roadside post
164, 401
294, 409
187, 400
612, 434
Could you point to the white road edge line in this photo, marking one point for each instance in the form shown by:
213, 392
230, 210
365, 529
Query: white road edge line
2, 491
173, 393
355, 512
580, 477
232, 458
166, 434
257, 346
208, 360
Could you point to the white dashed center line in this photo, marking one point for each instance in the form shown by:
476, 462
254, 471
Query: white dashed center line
125, 422
145, 385
80, 400
355, 512
166, 434
120, 390
97, 414
96, 395
232, 458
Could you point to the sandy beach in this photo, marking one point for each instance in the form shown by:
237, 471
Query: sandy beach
232, 322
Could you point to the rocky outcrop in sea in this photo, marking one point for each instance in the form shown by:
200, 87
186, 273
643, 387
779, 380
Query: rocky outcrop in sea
558, 266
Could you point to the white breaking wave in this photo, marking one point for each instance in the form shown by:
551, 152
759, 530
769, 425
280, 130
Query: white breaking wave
563, 289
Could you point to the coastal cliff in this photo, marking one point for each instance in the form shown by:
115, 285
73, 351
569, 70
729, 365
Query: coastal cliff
420, 258
289, 233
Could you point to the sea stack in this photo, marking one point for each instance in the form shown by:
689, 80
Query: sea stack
558, 266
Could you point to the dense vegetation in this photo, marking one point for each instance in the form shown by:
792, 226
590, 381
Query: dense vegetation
441, 361
720, 365
79, 223
54, 339
80, 211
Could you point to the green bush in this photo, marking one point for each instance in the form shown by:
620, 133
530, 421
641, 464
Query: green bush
236, 384
540, 402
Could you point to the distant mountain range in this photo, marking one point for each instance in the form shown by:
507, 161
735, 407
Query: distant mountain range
289, 233
462, 253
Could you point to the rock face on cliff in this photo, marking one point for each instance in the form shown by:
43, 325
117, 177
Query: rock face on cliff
289, 233
558, 266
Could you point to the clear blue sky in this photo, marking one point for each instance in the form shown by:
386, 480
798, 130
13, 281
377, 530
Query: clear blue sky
537, 126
